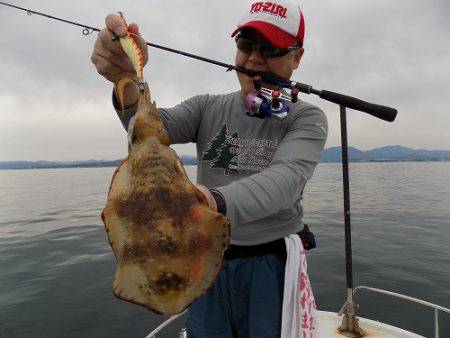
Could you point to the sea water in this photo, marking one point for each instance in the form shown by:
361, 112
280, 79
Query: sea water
56, 266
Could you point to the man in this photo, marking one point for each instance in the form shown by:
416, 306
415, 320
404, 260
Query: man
252, 170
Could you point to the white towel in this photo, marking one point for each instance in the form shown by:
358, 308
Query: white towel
299, 308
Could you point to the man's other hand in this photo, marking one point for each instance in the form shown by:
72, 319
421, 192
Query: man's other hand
209, 197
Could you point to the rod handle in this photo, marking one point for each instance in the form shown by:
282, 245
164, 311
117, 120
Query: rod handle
382, 112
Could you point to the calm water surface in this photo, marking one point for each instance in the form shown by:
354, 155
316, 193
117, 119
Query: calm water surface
56, 266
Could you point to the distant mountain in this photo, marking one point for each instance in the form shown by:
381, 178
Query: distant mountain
188, 160
387, 154
384, 154
334, 154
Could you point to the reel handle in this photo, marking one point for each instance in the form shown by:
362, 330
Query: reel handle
257, 82
294, 94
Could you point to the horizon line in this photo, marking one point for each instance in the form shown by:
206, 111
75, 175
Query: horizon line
195, 156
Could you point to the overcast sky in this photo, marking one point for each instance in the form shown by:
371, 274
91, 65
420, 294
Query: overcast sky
54, 105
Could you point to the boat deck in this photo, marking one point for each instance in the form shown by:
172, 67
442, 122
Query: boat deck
330, 321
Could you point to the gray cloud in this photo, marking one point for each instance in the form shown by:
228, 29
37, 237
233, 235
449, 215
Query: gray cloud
53, 104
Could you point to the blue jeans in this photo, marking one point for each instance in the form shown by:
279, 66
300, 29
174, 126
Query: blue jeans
245, 301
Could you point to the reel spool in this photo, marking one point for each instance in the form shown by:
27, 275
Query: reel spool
263, 102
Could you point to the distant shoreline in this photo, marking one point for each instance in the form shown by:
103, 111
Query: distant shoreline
194, 164
387, 154
73, 167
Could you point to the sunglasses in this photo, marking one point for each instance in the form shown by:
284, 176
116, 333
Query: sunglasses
266, 49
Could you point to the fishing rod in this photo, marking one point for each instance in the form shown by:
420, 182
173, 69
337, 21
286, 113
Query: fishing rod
262, 102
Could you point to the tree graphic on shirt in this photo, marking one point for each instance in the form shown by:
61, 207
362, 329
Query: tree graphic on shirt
213, 150
225, 159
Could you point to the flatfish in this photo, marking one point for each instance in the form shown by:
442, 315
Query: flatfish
167, 242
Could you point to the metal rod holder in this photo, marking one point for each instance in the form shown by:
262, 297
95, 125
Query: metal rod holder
349, 321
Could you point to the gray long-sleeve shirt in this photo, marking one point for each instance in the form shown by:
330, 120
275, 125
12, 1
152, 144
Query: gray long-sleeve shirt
260, 166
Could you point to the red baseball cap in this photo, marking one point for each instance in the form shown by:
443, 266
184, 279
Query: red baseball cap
280, 22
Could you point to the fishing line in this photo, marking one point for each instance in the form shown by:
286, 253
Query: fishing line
44, 123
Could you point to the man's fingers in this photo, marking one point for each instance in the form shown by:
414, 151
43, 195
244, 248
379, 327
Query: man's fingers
108, 56
102, 65
209, 197
105, 37
120, 60
134, 28
108, 70
115, 24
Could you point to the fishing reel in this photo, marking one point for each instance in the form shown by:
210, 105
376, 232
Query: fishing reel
263, 102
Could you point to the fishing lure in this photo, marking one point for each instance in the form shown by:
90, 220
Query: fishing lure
131, 48
134, 53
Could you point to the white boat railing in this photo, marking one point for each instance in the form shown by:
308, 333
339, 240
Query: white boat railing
165, 324
436, 307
